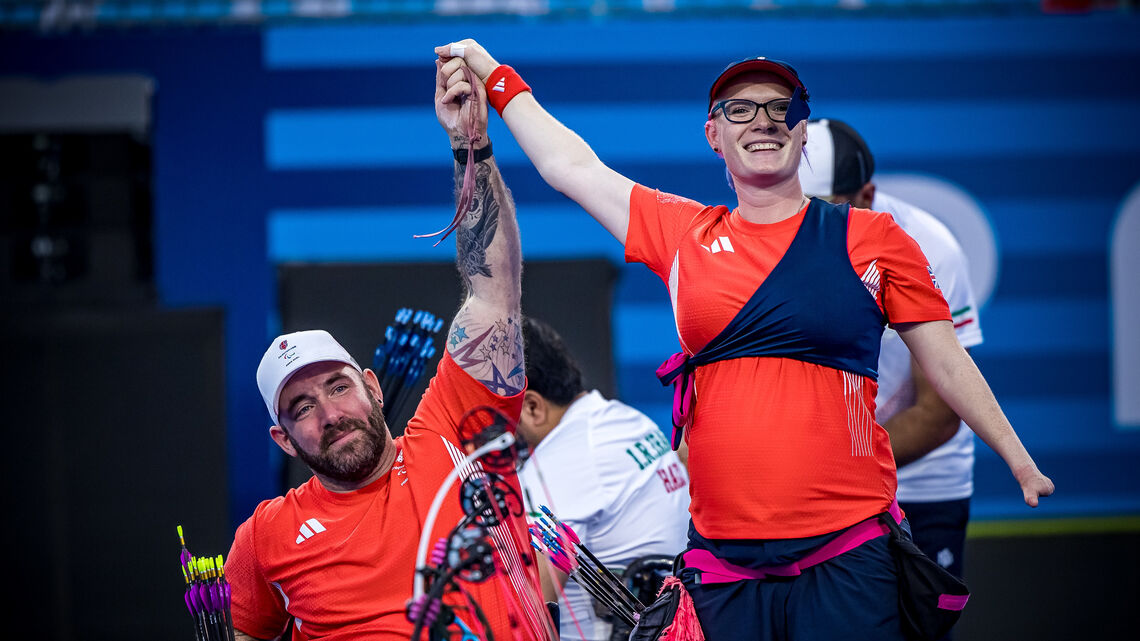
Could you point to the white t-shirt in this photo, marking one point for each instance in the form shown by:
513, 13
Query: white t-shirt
947, 473
609, 473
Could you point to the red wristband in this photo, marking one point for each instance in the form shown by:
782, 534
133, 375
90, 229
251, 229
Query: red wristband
503, 85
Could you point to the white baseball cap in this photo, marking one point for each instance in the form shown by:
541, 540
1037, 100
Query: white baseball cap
288, 354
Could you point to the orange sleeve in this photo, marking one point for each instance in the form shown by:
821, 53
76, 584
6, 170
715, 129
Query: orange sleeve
451, 394
909, 293
656, 222
258, 609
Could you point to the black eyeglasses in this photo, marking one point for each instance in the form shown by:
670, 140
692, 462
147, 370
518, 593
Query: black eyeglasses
742, 110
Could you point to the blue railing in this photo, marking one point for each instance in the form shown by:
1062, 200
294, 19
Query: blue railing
54, 15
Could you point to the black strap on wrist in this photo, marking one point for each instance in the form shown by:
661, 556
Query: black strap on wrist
480, 154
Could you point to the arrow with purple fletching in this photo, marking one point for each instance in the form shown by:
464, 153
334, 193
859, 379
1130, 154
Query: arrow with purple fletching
207, 595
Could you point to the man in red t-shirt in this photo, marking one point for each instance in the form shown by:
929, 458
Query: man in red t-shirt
338, 554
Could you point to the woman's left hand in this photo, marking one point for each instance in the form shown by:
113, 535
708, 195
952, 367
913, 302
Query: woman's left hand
1033, 483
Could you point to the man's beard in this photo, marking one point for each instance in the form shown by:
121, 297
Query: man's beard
354, 461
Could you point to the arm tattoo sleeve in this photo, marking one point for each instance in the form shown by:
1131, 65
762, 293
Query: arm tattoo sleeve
485, 337
493, 356
478, 228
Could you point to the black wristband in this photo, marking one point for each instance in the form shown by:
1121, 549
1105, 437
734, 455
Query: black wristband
480, 154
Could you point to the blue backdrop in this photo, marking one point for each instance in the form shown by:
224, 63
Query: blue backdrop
319, 143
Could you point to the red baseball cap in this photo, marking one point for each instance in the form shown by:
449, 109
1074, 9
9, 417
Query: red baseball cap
760, 63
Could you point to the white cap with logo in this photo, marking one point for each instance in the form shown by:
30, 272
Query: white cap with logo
288, 354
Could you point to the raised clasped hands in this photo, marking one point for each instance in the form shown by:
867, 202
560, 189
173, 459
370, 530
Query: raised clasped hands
473, 55
456, 83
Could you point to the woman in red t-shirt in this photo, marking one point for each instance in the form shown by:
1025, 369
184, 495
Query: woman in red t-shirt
785, 454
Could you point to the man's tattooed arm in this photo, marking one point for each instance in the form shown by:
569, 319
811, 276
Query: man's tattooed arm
485, 337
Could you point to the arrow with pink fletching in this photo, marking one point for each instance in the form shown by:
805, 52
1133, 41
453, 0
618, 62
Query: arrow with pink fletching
566, 552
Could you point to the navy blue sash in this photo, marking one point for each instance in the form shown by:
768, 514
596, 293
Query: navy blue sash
812, 307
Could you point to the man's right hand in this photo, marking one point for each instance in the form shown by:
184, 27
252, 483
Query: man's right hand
453, 109
474, 55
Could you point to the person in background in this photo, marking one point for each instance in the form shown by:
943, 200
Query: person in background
933, 448
779, 303
602, 467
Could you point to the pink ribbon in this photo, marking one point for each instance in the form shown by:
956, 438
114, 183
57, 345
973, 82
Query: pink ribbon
676, 370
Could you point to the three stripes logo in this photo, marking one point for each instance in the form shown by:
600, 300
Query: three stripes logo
309, 529
718, 245
501, 85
